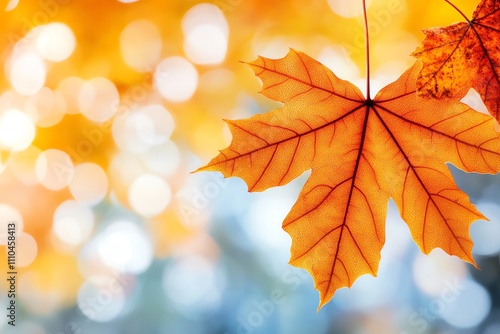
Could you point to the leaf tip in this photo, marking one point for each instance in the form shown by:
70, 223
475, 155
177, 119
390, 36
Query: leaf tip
482, 217
229, 122
322, 302
292, 50
199, 169
473, 262
469, 258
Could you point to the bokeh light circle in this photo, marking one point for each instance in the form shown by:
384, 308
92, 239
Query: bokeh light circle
163, 159
176, 79
124, 247
149, 195
204, 14
27, 73
54, 169
469, 308
73, 222
140, 45
125, 167
157, 125
193, 285
206, 45
431, 272
89, 184
100, 299
17, 130
98, 99
143, 128
348, 8
55, 41
46, 107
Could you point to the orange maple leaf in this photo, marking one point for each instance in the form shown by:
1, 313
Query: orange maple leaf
464, 55
361, 152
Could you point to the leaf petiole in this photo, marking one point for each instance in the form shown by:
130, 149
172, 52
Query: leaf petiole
458, 10
367, 44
